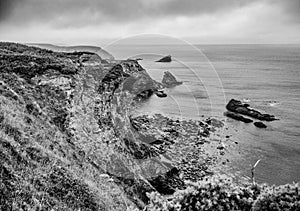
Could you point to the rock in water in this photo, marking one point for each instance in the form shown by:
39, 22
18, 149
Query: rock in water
165, 59
237, 117
160, 94
169, 80
260, 125
239, 107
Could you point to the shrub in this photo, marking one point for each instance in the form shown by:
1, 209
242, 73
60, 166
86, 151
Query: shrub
221, 193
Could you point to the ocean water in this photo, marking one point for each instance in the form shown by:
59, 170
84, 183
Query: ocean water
265, 76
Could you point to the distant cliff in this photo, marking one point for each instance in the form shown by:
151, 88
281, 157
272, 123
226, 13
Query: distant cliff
94, 49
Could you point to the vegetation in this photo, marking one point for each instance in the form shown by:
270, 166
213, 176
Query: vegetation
221, 193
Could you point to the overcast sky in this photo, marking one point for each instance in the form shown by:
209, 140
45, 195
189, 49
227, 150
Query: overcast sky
197, 21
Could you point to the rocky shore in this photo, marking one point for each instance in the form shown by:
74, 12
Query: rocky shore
68, 140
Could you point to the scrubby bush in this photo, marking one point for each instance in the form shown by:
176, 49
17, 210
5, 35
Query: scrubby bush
221, 193
285, 197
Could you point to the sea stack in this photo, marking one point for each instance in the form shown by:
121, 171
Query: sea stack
165, 59
169, 80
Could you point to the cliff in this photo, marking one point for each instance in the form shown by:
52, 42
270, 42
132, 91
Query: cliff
66, 141
94, 49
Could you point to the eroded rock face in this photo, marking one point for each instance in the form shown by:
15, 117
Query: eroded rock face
169, 80
140, 84
241, 108
36, 145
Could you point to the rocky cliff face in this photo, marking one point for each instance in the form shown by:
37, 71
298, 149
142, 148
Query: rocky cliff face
66, 140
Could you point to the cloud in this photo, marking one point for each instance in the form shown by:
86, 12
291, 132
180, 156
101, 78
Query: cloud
6, 7
290, 7
89, 12
201, 20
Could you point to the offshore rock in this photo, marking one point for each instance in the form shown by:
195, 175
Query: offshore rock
237, 117
169, 80
165, 59
241, 108
260, 125
160, 94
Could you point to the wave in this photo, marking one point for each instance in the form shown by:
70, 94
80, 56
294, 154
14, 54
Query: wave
246, 100
273, 103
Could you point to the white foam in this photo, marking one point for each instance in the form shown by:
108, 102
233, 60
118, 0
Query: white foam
246, 100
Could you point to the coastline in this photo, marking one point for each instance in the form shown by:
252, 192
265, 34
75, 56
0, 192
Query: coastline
68, 139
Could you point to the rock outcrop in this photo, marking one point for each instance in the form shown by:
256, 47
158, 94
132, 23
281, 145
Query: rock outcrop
241, 108
165, 59
169, 80
160, 94
260, 125
237, 117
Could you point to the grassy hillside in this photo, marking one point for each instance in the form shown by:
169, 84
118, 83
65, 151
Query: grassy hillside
59, 147
94, 49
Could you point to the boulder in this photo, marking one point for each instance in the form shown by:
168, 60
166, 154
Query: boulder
241, 108
169, 80
165, 59
167, 183
260, 125
237, 117
215, 123
160, 94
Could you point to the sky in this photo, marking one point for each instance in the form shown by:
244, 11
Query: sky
97, 22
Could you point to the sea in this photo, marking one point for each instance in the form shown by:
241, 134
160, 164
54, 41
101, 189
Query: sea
265, 76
